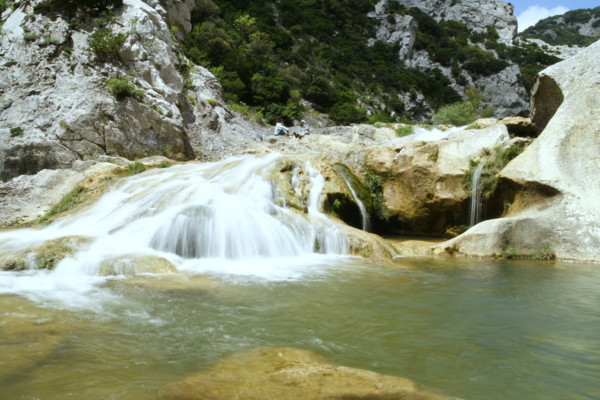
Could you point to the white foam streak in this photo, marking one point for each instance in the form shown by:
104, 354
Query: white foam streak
425, 135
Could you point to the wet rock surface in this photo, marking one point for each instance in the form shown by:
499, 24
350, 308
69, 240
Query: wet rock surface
287, 373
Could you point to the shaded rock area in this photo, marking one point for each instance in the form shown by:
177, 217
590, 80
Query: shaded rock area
555, 181
287, 373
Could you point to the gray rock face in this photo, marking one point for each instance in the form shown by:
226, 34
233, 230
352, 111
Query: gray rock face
556, 202
503, 92
54, 103
476, 14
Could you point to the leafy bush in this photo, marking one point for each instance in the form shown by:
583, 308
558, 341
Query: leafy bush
70, 200
458, 114
493, 164
105, 45
136, 167
82, 8
122, 88
16, 131
347, 113
404, 131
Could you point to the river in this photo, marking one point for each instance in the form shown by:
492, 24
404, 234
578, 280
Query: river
246, 272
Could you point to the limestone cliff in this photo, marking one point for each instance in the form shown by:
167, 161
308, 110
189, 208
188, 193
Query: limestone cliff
503, 91
55, 105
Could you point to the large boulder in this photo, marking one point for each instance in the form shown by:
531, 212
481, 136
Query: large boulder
26, 198
55, 107
287, 373
421, 181
555, 181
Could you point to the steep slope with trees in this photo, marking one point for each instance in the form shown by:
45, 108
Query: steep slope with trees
574, 28
361, 60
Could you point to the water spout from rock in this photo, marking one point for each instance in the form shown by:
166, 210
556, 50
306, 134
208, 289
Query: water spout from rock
476, 206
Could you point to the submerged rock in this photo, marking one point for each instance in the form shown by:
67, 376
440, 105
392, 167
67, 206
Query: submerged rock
29, 337
287, 373
133, 264
44, 256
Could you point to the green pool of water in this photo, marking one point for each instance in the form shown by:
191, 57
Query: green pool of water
474, 330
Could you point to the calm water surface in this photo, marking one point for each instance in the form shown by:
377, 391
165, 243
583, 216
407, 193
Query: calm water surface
474, 330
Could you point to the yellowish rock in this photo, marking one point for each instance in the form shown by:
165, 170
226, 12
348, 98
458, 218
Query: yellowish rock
290, 374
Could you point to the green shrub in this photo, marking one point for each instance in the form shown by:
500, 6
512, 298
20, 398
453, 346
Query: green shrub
70, 200
136, 167
122, 88
497, 159
373, 184
487, 112
457, 114
51, 40
347, 113
404, 131
105, 45
30, 37
81, 8
16, 131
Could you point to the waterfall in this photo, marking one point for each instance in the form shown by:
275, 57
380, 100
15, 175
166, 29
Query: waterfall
475, 211
344, 173
200, 217
366, 223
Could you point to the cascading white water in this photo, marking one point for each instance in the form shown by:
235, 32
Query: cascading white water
366, 223
475, 210
202, 217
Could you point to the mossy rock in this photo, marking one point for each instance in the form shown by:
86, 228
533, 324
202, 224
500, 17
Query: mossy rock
134, 264
44, 256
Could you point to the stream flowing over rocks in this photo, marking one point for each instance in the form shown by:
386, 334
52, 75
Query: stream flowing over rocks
73, 134
169, 191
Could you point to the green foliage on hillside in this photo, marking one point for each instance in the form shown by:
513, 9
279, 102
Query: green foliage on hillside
78, 7
317, 48
564, 29
270, 56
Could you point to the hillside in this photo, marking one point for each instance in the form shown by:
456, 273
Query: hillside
574, 28
361, 60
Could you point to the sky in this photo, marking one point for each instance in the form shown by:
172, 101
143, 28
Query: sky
528, 12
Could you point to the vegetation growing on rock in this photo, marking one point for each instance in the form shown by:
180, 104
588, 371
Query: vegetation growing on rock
494, 161
271, 57
566, 29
